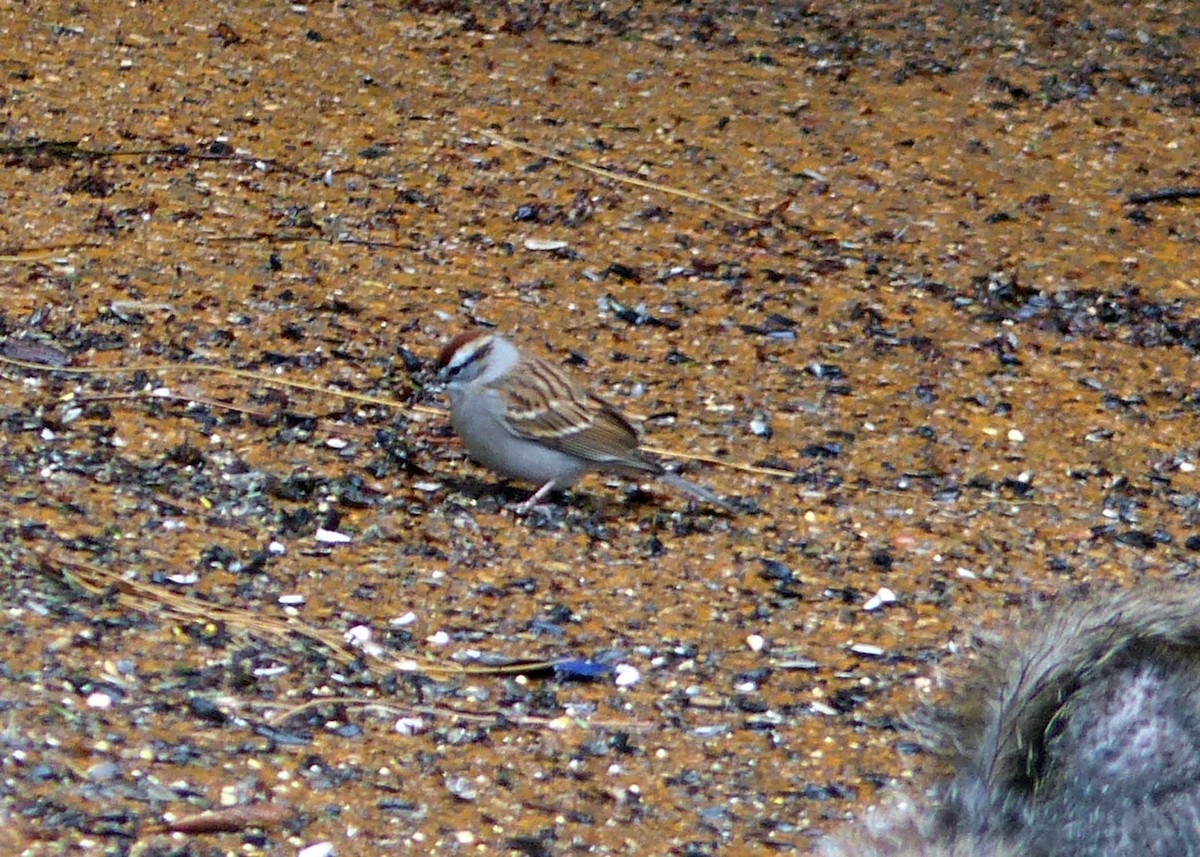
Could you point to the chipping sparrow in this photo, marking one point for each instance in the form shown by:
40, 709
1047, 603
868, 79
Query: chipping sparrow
524, 418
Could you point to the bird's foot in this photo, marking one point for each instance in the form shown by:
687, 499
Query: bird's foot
535, 501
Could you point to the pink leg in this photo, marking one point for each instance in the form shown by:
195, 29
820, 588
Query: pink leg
522, 508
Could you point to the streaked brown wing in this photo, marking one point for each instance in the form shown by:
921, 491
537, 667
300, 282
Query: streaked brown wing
564, 417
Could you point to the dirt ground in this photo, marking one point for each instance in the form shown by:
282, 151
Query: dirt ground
881, 263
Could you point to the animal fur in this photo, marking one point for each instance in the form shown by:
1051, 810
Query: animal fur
1080, 735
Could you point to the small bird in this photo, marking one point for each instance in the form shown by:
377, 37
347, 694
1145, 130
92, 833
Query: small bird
523, 418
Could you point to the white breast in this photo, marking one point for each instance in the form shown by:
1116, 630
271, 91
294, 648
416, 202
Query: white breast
475, 416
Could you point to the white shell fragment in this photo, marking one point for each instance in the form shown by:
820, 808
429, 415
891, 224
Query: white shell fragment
410, 725
544, 244
317, 849
360, 637
627, 675
330, 537
880, 598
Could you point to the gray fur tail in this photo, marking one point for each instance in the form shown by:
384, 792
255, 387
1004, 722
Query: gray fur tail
1078, 736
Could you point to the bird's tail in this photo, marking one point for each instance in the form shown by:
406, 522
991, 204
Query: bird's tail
698, 491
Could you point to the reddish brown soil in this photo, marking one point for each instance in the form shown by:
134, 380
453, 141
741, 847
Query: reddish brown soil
976, 356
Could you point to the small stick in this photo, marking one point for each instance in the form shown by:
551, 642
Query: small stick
718, 462
438, 711
609, 174
230, 819
1165, 195
426, 410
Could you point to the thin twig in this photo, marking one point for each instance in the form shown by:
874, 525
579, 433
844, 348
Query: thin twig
283, 238
437, 711
146, 598
609, 174
179, 397
174, 368
426, 410
226, 819
719, 462
1167, 194
38, 254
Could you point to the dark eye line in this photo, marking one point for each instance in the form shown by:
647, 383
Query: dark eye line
474, 358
